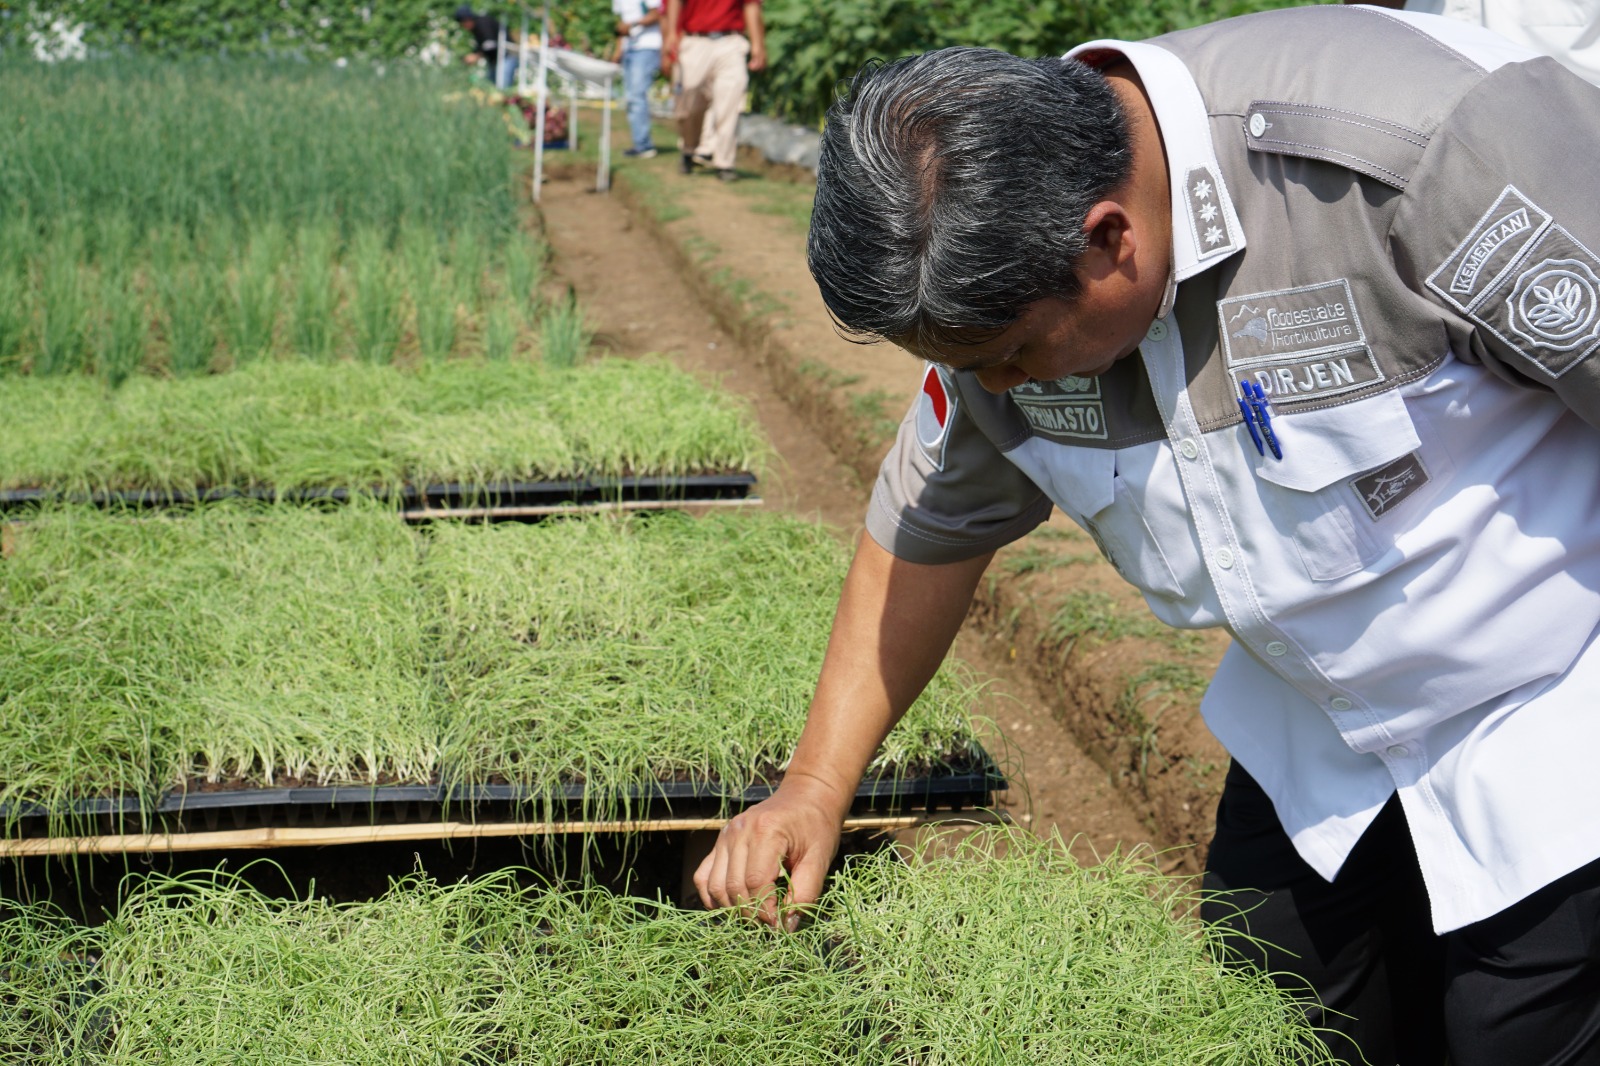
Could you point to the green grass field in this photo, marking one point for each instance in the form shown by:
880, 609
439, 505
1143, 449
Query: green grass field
179, 218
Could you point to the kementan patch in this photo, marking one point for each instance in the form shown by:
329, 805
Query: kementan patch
1530, 283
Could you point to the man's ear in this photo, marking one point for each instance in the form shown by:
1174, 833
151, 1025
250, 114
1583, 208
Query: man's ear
1112, 240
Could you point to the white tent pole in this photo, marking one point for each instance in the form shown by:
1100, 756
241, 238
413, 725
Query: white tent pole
544, 70
500, 57
572, 114
602, 181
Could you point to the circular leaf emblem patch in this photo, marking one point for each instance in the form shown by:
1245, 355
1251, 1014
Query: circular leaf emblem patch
1556, 304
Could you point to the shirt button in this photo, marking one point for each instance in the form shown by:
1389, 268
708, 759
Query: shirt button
1398, 751
1277, 648
1188, 448
1258, 124
1339, 703
1157, 331
1225, 558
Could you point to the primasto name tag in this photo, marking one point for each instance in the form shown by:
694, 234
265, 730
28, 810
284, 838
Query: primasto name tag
1063, 410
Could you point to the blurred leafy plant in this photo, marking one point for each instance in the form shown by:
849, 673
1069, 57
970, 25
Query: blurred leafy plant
814, 47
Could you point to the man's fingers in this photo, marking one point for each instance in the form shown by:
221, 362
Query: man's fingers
717, 880
765, 863
806, 878
736, 846
805, 884
752, 853
742, 869
702, 879
754, 862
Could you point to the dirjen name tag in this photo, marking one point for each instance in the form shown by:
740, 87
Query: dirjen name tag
1321, 378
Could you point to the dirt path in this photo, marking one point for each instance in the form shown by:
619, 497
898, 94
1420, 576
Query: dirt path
640, 299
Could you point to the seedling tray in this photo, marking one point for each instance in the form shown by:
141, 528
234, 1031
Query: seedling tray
492, 501
969, 786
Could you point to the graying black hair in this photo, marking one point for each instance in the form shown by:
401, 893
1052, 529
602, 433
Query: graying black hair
952, 190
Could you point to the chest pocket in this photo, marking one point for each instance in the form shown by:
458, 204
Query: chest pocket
1084, 483
1348, 474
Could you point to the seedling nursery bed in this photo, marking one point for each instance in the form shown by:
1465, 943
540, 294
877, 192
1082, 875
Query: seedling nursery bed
225, 218
992, 949
438, 439
339, 664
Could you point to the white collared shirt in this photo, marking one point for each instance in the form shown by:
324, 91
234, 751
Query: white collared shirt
640, 38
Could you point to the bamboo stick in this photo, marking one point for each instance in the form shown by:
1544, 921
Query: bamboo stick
416, 513
298, 837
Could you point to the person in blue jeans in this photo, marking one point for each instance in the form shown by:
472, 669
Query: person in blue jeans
639, 39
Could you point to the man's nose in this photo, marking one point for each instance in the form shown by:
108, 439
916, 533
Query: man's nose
998, 379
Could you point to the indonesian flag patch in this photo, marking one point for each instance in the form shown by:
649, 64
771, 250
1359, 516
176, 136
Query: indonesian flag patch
936, 409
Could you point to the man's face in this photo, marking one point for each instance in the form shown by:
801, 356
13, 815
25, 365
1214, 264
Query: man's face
1057, 338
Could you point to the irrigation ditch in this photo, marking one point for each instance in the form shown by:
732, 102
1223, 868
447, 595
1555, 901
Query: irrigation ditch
1125, 688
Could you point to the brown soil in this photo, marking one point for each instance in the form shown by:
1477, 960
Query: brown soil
1096, 723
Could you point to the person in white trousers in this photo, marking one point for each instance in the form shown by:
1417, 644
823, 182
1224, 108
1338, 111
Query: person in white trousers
716, 44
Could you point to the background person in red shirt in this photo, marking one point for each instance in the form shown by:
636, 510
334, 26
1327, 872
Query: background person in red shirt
716, 44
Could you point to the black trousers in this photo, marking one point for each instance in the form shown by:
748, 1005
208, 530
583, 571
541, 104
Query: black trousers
1519, 989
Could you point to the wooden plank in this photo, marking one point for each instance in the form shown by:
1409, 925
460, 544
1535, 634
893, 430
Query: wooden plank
316, 836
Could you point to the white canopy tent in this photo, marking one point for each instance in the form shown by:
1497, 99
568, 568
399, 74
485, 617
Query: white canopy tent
579, 68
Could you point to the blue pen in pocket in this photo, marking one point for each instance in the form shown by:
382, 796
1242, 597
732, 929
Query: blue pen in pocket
1264, 417
1247, 409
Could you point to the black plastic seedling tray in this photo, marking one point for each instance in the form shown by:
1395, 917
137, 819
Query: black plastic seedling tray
506, 499
968, 787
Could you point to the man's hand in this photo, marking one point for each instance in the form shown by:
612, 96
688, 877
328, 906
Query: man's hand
756, 30
797, 830
670, 37
895, 622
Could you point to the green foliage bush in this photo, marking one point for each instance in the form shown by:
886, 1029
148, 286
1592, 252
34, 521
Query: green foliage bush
384, 30
814, 46
392, 29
